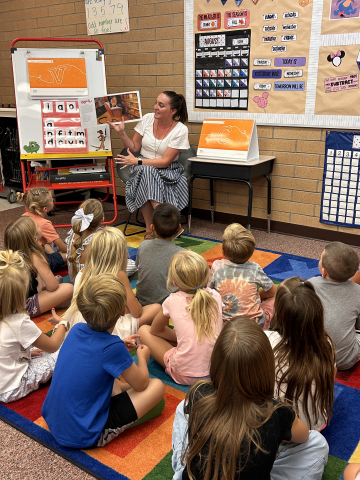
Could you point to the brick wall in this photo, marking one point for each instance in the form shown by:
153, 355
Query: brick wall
150, 58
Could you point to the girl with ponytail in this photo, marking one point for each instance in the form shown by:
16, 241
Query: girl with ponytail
195, 311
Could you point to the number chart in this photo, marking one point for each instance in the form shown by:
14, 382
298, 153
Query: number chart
340, 203
62, 132
106, 16
222, 70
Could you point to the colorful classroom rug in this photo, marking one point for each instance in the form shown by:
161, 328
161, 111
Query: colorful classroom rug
144, 452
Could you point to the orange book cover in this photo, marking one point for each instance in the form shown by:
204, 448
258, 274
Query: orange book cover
227, 134
52, 74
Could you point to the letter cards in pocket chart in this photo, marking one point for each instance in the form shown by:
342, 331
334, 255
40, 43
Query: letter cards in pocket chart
62, 131
340, 204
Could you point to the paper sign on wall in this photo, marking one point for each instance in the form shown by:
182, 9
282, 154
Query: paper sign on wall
111, 16
229, 139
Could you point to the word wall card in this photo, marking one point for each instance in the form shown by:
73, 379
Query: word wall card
340, 204
62, 131
222, 70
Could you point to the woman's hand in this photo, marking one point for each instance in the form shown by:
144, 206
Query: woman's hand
127, 161
118, 127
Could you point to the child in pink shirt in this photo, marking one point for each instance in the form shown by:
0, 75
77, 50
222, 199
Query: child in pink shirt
195, 312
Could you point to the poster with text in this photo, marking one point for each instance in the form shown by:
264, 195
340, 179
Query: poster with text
106, 16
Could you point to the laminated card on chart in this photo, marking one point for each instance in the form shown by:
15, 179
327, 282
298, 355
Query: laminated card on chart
229, 139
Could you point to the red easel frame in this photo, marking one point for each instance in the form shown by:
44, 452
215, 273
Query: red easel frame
33, 182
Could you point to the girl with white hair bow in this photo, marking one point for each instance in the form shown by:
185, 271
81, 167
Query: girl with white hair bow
85, 223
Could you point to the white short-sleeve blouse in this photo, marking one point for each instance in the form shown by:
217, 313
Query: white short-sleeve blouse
178, 138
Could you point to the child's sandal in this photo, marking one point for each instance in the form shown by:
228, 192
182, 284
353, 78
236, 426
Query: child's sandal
149, 236
178, 233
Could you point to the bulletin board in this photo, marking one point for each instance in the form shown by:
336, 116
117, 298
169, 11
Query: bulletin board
294, 62
49, 83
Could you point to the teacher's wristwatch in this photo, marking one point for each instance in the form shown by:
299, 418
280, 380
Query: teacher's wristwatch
139, 161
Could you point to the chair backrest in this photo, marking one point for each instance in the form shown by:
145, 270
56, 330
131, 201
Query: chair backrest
184, 156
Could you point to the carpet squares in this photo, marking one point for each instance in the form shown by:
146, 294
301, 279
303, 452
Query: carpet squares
144, 452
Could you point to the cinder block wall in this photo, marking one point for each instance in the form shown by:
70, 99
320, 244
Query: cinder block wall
150, 58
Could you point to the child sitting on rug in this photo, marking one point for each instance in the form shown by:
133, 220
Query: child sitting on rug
341, 300
87, 405
237, 280
107, 253
38, 202
44, 291
85, 222
22, 369
196, 315
231, 427
304, 352
153, 256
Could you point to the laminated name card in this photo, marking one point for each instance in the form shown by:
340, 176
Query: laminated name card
229, 139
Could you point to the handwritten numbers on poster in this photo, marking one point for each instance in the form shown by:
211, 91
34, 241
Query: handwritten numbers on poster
107, 16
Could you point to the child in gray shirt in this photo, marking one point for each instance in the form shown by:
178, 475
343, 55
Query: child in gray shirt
153, 256
341, 300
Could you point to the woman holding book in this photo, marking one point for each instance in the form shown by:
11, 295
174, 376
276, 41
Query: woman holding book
156, 176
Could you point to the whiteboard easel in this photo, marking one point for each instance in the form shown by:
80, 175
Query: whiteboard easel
29, 108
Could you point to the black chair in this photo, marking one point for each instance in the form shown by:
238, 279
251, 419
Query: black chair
124, 177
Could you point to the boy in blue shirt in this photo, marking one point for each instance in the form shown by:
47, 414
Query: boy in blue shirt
87, 405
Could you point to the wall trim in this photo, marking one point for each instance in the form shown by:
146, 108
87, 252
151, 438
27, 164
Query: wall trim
276, 227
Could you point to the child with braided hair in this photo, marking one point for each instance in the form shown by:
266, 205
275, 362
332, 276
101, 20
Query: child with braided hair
85, 223
196, 312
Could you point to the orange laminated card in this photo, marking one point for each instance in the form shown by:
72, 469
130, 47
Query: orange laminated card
228, 139
57, 77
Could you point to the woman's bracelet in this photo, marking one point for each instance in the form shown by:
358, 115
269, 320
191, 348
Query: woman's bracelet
62, 322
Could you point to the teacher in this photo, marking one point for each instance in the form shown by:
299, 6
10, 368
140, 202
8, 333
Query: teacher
156, 176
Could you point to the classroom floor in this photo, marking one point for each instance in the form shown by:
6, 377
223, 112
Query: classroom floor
18, 451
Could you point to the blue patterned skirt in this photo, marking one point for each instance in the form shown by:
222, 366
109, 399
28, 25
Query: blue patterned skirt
159, 184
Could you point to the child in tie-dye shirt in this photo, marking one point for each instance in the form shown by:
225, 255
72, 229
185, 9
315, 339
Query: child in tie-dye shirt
237, 280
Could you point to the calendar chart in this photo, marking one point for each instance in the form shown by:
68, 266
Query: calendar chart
340, 204
222, 70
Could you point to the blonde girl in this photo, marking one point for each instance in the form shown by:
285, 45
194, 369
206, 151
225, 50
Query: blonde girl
85, 223
38, 202
44, 291
231, 428
22, 369
107, 253
304, 352
196, 313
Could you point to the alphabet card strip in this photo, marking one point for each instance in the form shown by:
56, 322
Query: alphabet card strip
340, 203
62, 130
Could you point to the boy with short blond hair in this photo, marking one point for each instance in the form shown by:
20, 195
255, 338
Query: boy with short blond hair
87, 405
237, 280
341, 300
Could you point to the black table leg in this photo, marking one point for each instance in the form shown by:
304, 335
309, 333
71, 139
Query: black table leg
250, 204
268, 178
212, 199
190, 201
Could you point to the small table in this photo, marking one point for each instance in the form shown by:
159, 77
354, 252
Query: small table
243, 172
